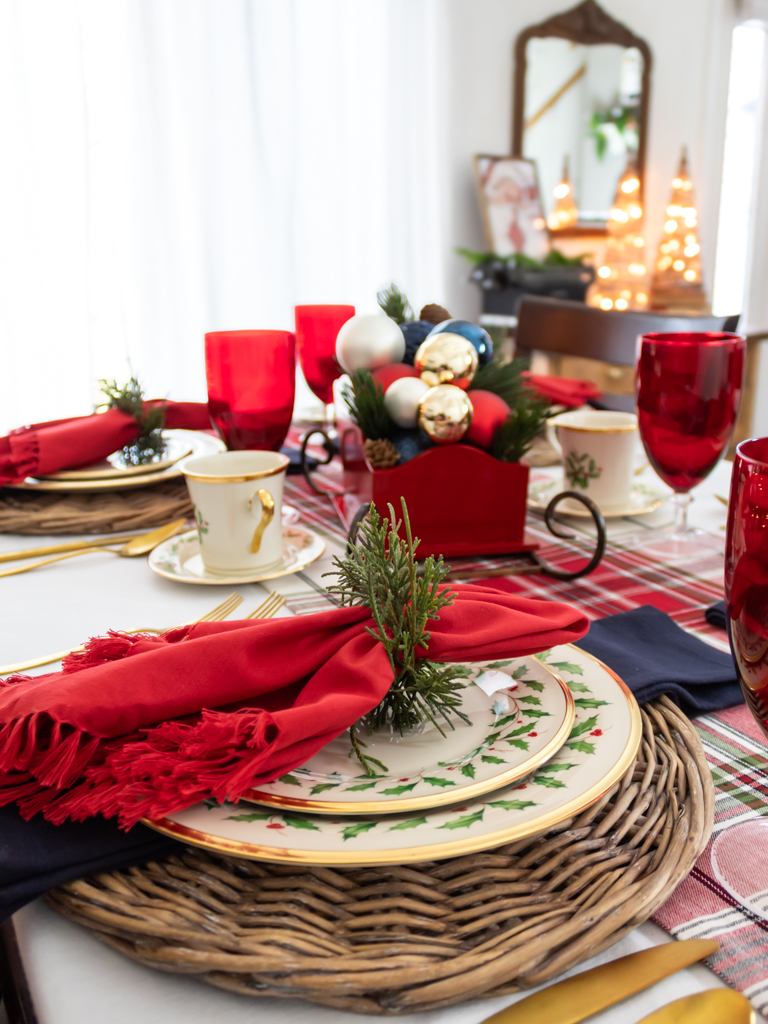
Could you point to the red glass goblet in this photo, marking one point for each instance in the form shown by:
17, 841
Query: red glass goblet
316, 331
251, 386
688, 395
746, 574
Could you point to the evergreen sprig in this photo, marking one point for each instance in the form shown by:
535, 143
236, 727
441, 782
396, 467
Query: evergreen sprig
554, 258
382, 574
503, 379
395, 304
518, 432
148, 445
365, 401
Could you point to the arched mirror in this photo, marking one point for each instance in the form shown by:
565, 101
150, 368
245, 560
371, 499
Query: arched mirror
581, 96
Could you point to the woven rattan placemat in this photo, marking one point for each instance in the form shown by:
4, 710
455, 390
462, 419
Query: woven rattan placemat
398, 940
74, 512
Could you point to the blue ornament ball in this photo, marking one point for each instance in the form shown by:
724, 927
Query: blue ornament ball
414, 332
479, 337
410, 443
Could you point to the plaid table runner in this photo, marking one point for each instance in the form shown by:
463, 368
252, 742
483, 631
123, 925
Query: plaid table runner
630, 576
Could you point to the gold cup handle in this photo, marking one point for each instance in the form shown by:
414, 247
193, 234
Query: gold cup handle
267, 514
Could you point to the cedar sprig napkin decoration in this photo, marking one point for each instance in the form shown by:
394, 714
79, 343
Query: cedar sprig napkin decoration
382, 574
149, 445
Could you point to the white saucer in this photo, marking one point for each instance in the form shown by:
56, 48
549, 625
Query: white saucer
643, 499
179, 559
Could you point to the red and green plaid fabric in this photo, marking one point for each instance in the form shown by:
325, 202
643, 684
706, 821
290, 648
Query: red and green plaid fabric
629, 576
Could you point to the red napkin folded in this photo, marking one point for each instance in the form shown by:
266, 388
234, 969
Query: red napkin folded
143, 726
568, 391
83, 440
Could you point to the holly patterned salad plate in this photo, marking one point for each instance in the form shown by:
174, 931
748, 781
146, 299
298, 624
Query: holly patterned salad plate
601, 746
520, 711
179, 558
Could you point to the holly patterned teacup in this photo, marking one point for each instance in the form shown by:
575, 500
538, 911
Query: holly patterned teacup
597, 448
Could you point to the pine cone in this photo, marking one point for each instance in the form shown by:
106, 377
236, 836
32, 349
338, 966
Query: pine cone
381, 454
434, 314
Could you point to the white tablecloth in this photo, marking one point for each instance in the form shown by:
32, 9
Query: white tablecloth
73, 978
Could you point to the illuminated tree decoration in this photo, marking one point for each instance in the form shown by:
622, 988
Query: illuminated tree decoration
677, 275
622, 280
565, 212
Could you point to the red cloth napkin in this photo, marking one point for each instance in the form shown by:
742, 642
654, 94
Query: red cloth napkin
139, 726
83, 440
568, 391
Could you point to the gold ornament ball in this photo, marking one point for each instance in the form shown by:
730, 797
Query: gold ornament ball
445, 414
447, 359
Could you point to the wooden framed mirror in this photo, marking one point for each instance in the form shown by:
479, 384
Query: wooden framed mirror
581, 97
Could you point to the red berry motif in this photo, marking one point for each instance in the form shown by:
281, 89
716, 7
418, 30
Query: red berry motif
276, 824
533, 734
596, 732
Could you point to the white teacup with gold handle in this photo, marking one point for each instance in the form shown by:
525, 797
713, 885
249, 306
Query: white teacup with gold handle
237, 499
597, 447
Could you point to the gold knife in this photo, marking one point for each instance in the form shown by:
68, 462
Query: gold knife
588, 993
72, 545
715, 1006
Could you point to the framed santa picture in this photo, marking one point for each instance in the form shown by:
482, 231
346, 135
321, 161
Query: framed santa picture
510, 202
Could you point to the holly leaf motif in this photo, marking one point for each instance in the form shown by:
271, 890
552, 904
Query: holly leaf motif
518, 743
513, 805
322, 786
518, 732
362, 785
438, 782
528, 700
468, 770
519, 672
545, 780
534, 684
589, 702
408, 823
466, 820
577, 687
500, 664
568, 666
502, 722
562, 767
533, 713
490, 759
397, 790
582, 746
357, 829
299, 823
581, 727
289, 780
248, 817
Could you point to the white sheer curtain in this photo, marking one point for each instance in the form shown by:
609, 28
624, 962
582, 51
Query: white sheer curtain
175, 166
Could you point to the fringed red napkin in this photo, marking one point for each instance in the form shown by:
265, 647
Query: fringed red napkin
83, 440
570, 391
143, 726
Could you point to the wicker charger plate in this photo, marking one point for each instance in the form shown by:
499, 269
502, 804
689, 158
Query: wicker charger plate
397, 940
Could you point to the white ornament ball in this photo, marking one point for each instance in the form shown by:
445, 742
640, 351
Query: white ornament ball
368, 341
402, 399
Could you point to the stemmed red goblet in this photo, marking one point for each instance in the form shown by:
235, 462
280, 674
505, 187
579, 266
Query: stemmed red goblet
316, 331
251, 386
688, 394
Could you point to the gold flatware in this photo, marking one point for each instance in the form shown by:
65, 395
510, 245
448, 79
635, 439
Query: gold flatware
217, 614
716, 1006
140, 545
268, 608
588, 993
722, 499
72, 545
641, 469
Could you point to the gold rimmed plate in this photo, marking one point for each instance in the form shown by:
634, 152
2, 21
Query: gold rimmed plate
600, 748
642, 500
179, 558
520, 713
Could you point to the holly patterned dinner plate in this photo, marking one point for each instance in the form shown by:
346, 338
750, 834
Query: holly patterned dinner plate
601, 746
520, 713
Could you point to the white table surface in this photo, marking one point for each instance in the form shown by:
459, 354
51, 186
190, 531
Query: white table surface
72, 977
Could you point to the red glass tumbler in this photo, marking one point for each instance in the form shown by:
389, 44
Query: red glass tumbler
746, 574
316, 330
688, 396
251, 386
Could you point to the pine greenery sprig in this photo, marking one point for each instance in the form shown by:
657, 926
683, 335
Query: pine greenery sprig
149, 444
517, 433
503, 379
382, 574
365, 401
395, 304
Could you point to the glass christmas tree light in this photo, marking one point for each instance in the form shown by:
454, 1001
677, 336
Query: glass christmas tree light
677, 280
622, 278
565, 212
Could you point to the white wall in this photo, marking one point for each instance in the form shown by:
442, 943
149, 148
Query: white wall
690, 45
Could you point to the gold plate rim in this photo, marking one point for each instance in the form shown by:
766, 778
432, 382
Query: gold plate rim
229, 581
438, 851
438, 799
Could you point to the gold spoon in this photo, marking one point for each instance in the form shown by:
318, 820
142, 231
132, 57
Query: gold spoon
716, 1006
136, 546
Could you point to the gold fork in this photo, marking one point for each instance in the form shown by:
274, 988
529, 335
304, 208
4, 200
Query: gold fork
221, 611
268, 608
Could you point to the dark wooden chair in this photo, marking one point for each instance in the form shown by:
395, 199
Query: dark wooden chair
597, 345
